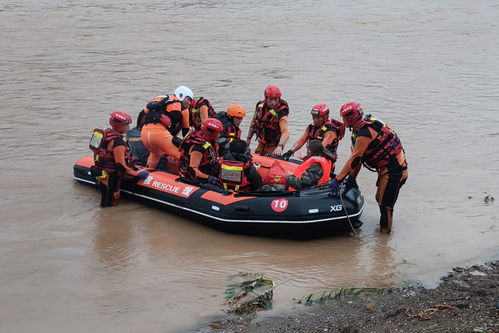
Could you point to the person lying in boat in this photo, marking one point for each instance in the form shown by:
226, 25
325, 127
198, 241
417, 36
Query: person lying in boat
329, 132
315, 170
237, 172
270, 123
199, 155
231, 119
112, 158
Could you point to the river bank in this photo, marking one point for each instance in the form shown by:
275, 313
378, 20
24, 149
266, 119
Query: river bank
465, 301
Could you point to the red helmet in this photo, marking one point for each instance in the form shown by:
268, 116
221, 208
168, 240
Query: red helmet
272, 92
351, 113
210, 127
118, 119
320, 110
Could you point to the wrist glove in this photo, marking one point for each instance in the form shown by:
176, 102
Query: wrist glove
351, 182
212, 180
335, 187
142, 175
287, 155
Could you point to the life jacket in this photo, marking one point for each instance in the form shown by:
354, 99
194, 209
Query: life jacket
156, 112
383, 148
317, 133
208, 161
99, 143
233, 174
230, 131
194, 114
325, 164
266, 123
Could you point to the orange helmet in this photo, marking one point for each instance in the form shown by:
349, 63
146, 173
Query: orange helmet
272, 92
236, 110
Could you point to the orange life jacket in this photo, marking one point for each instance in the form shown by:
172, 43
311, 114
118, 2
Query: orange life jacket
194, 114
155, 112
208, 161
383, 148
99, 144
266, 123
317, 133
325, 164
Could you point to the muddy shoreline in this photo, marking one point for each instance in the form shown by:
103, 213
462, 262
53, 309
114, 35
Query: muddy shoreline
467, 300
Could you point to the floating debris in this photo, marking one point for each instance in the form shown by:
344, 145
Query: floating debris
343, 293
253, 294
488, 199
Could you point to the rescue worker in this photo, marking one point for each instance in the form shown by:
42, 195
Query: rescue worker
329, 132
112, 158
179, 118
231, 120
378, 147
270, 123
158, 128
315, 170
199, 157
200, 109
237, 172
185, 96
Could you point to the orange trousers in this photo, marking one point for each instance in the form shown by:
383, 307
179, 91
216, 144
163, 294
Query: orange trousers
158, 141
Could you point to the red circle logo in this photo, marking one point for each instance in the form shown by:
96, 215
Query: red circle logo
279, 205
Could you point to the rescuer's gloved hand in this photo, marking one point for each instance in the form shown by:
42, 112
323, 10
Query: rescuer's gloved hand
335, 187
142, 175
212, 180
287, 155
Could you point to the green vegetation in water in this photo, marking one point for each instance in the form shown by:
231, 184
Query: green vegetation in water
342, 293
252, 294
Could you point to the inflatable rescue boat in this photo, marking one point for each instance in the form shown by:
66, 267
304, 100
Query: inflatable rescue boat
283, 213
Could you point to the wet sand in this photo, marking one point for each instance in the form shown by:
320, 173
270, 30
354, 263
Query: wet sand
466, 300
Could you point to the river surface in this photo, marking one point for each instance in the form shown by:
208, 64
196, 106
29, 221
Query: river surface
427, 68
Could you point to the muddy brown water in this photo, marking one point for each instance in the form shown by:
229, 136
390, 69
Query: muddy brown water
428, 68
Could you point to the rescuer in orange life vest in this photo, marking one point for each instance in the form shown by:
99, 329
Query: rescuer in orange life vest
156, 132
199, 110
112, 158
270, 123
237, 172
231, 120
377, 147
199, 156
329, 132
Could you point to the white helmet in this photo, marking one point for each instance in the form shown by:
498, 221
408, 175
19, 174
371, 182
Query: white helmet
182, 92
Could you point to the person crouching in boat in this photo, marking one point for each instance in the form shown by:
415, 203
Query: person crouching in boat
112, 157
270, 123
157, 126
237, 172
231, 120
378, 147
199, 156
329, 132
200, 109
